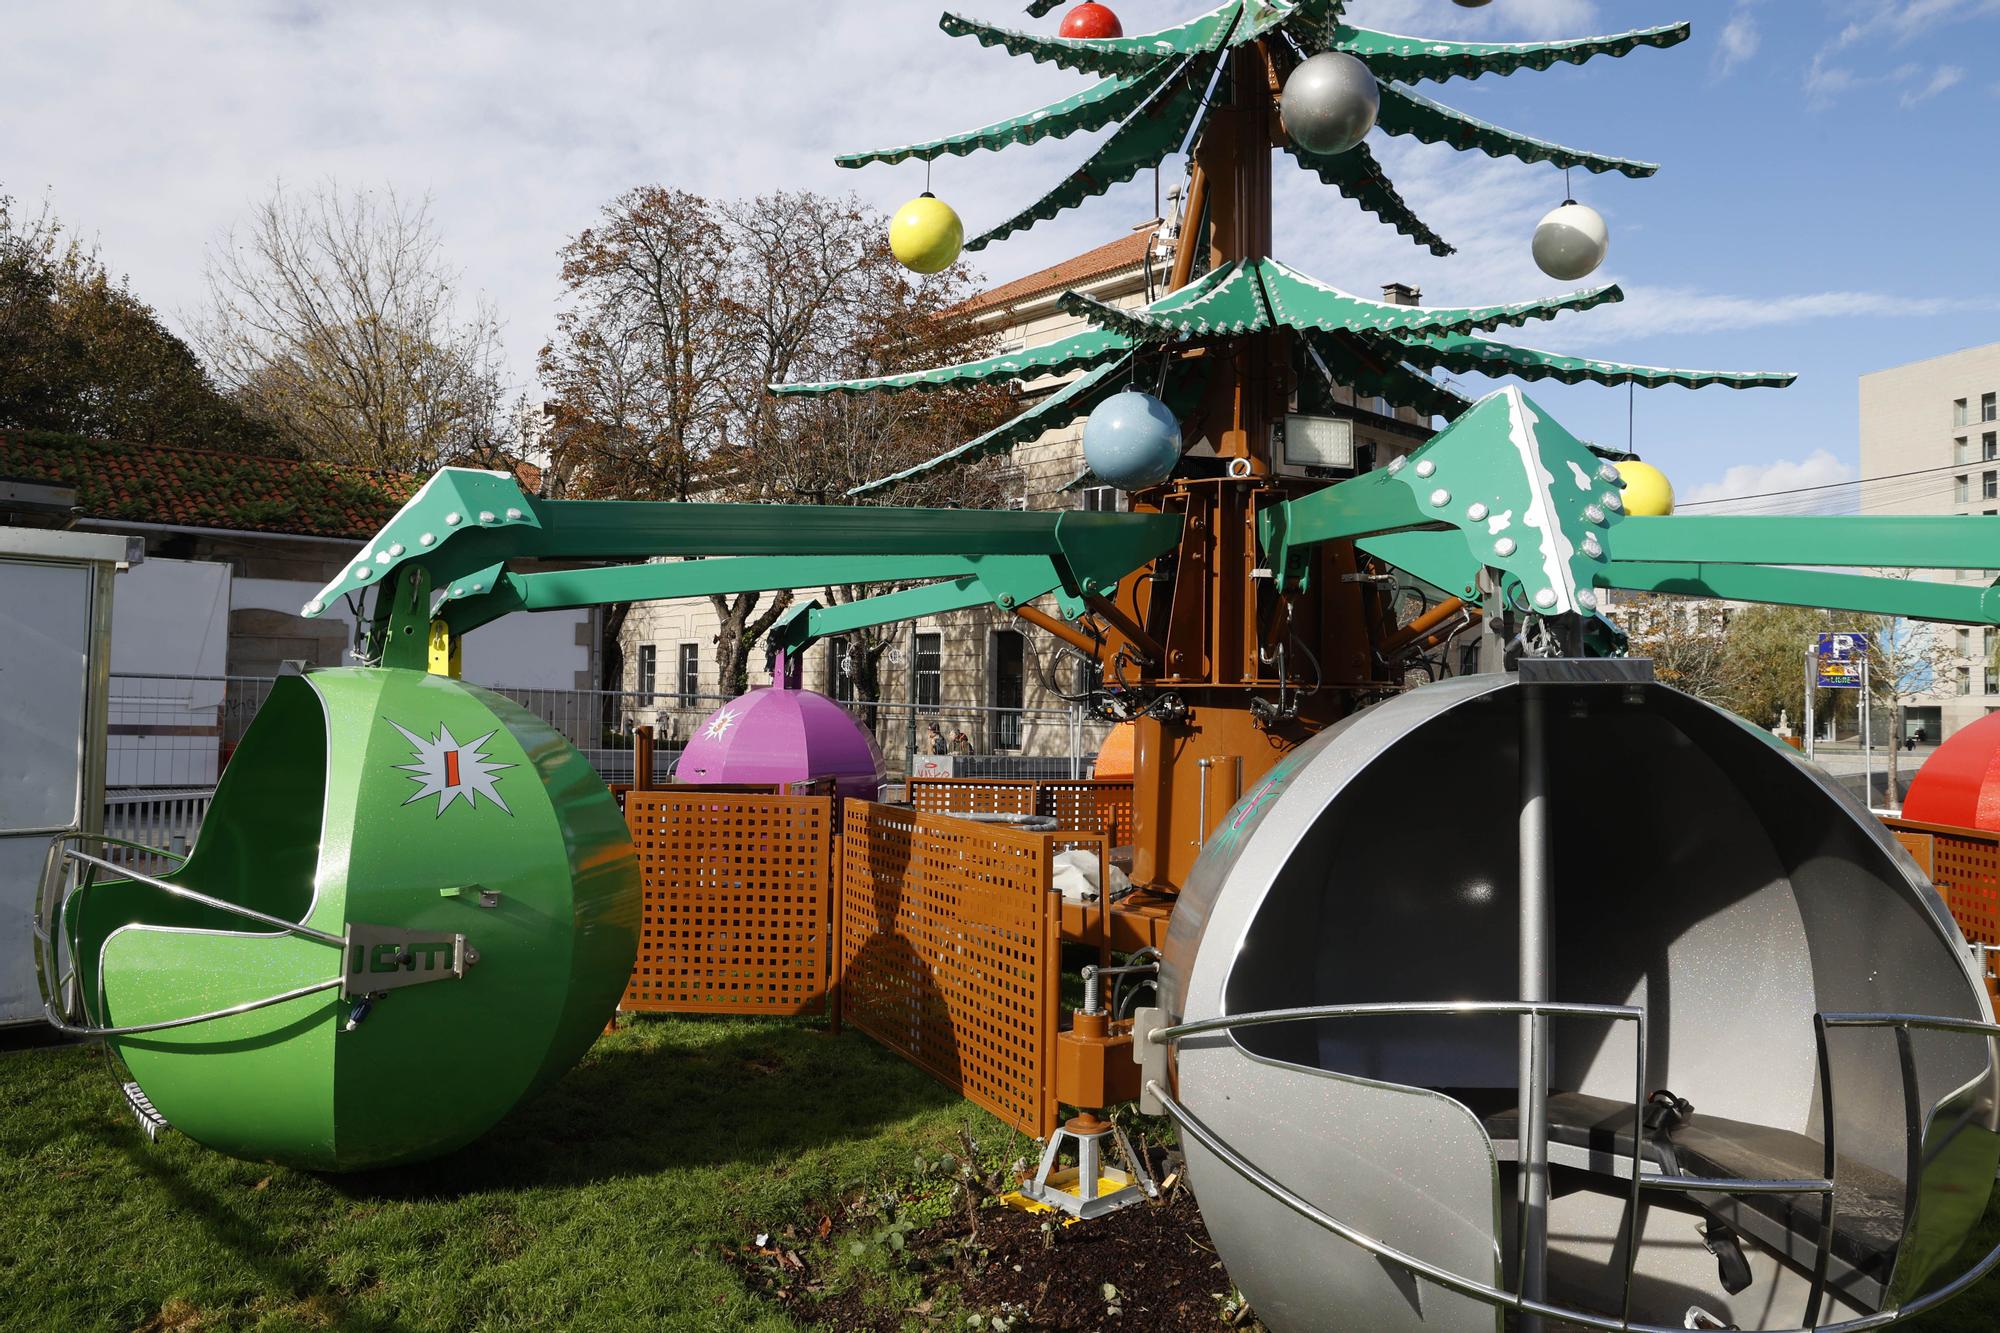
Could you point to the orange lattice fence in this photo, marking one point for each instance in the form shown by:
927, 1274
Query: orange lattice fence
1964, 864
1091, 804
738, 901
948, 948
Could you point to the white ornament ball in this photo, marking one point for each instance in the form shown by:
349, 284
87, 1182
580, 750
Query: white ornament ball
1132, 441
1330, 102
1571, 242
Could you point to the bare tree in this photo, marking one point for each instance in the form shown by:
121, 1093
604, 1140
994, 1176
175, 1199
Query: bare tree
334, 316
681, 312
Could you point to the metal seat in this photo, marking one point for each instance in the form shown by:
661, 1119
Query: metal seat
1869, 1219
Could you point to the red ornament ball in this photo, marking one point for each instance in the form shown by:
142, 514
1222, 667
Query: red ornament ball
1092, 21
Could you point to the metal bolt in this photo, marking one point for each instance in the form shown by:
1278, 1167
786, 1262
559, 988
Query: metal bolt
1587, 600
513, 515
363, 572
1613, 501
1504, 547
486, 516
1591, 546
1476, 512
428, 539
1606, 472
396, 550
314, 607
1546, 597
382, 557
1005, 600
1440, 497
1593, 513
1425, 468
1396, 465
453, 519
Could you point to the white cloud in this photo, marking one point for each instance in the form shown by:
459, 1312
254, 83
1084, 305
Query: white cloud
1782, 484
1737, 42
1943, 78
1648, 310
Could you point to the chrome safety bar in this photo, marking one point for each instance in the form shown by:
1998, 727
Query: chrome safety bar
1494, 1296
62, 1008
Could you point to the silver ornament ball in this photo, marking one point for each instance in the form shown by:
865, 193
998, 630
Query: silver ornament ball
1330, 102
1571, 241
1132, 441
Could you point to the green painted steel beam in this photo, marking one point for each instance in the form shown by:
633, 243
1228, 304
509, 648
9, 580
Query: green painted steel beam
1882, 541
567, 589
1375, 502
1918, 599
1022, 580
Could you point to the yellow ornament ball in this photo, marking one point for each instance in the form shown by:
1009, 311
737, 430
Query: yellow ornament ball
1648, 493
926, 235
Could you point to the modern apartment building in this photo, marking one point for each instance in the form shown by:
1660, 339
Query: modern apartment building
1930, 444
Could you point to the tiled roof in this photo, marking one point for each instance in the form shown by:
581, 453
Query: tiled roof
1126, 252
201, 488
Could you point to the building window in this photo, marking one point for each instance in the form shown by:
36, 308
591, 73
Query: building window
1961, 490
1989, 409
929, 668
1103, 500
1010, 687
649, 670
1964, 680
690, 673
1987, 682
1964, 642
1958, 412
1961, 452
1989, 485
1989, 445
839, 678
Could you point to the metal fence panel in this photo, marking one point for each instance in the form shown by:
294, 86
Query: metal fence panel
738, 902
949, 953
1964, 864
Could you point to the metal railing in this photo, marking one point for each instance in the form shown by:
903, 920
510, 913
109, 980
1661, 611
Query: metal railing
178, 731
165, 820
1495, 1296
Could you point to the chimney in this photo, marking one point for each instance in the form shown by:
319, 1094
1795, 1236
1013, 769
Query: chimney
1401, 293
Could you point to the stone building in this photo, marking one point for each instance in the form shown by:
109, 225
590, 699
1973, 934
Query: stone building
982, 670
1930, 444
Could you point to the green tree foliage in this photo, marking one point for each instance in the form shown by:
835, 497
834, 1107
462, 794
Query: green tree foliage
81, 355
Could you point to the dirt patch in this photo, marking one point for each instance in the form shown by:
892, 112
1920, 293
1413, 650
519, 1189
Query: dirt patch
1151, 1266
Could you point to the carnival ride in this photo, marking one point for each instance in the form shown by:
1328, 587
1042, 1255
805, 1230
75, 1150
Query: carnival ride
1437, 1051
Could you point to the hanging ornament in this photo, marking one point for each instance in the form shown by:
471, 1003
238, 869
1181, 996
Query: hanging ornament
1571, 241
1091, 22
1132, 441
1472, 4
1329, 103
1648, 493
926, 235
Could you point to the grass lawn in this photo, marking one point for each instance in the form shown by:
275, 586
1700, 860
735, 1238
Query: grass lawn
607, 1203
623, 1198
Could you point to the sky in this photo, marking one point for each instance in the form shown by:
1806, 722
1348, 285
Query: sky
1827, 202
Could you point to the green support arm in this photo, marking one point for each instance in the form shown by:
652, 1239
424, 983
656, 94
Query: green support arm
1883, 541
1003, 581
459, 531
1918, 599
814, 621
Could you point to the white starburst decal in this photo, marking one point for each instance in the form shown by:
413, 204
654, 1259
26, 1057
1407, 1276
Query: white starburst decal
448, 770
719, 725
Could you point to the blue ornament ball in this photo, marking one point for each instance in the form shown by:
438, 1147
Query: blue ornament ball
1132, 441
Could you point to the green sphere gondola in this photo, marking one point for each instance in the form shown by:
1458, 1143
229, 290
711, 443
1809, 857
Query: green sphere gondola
364, 803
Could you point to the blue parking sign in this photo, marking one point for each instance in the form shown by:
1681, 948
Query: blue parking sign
1840, 654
